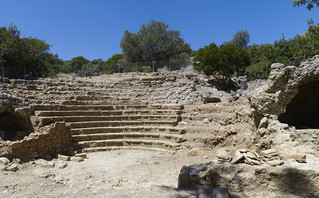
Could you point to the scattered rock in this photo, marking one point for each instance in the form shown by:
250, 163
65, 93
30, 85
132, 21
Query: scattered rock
4, 160
83, 155
61, 165
275, 162
194, 152
45, 164
209, 95
64, 157
223, 155
77, 159
263, 123
238, 158
298, 157
12, 167
206, 121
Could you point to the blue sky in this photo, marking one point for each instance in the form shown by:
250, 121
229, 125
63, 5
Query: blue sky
94, 28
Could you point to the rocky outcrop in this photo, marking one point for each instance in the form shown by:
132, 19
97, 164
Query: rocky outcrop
282, 86
243, 177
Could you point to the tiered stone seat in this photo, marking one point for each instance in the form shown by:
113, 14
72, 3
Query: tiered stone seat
105, 127
106, 116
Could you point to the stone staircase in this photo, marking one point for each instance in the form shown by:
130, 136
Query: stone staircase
101, 117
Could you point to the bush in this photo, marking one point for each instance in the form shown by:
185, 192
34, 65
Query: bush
224, 61
259, 70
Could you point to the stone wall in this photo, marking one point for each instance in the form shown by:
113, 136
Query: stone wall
51, 140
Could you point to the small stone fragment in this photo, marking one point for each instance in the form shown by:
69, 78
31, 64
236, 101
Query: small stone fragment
275, 162
62, 165
239, 157
77, 159
222, 155
263, 123
83, 155
194, 152
13, 167
206, 120
4, 160
64, 157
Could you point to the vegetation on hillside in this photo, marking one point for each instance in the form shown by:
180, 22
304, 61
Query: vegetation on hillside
155, 46
25, 56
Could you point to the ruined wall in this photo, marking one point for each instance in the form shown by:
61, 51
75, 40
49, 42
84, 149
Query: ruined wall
51, 140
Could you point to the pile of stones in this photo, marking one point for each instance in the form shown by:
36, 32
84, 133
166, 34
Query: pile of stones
270, 156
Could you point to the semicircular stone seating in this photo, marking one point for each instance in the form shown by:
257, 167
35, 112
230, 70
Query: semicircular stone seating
102, 117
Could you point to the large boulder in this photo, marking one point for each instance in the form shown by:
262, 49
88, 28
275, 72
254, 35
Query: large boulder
209, 95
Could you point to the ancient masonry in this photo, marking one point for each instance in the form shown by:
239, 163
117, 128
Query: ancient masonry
286, 113
45, 117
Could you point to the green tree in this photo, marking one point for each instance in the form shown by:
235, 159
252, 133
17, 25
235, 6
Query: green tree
153, 42
223, 61
111, 65
240, 39
25, 56
76, 63
310, 4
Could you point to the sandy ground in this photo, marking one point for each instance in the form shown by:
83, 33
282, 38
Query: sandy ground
126, 173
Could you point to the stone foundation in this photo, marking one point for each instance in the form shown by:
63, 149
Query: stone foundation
50, 141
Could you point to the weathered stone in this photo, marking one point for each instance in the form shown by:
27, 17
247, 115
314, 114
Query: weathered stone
209, 95
239, 157
4, 160
263, 123
194, 152
64, 157
61, 165
206, 120
44, 163
298, 157
77, 159
83, 155
13, 167
222, 155
275, 162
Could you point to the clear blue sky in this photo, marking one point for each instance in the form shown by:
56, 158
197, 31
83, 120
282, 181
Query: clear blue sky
94, 28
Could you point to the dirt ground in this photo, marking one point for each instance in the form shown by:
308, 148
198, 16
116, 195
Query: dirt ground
112, 174
122, 173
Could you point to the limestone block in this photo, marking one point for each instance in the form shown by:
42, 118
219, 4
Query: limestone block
64, 157
77, 159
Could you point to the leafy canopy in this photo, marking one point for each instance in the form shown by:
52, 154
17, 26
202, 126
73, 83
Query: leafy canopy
224, 60
20, 55
240, 39
310, 4
153, 42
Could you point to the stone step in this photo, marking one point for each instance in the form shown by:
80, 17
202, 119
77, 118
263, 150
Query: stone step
120, 123
104, 113
128, 129
127, 142
56, 107
47, 120
110, 148
136, 135
49, 107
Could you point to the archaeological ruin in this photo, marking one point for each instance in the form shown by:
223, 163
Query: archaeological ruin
263, 140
